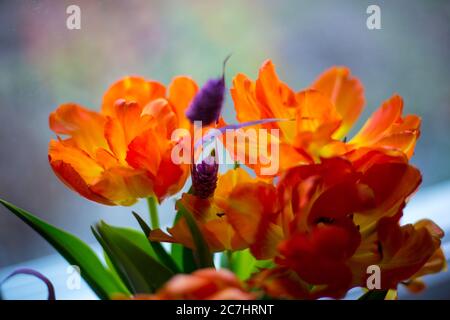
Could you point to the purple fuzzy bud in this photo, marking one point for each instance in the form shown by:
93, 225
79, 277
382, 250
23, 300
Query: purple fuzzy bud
204, 177
207, 104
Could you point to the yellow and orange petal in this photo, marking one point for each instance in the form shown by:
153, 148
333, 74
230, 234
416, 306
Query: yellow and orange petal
181, 92
85, 127
66, 172
131, 89
254, 213
387, 128
345, 92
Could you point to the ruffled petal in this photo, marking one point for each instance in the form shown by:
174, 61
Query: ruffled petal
391, 184
259, 150
253, 213
405, 250
320, 257
387, 129
379, 122
276, 99
163, 118
170, 178
85, 127
76, 170
131, 89
123, 186
345, 92
315, 110
145, 152
311, 265
79, 160
203, 284
182, 91
244, 98
281, 283
121, 129
437, 261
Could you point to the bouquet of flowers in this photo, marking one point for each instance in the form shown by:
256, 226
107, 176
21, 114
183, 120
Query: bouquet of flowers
303, 213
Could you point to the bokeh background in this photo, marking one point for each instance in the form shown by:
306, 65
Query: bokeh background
43, 64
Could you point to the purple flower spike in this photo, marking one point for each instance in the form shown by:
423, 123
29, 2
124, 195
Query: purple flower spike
204, 177
207, 104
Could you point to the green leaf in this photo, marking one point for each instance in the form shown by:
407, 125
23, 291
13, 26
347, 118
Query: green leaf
75, 251
144, 226
176, 252
112, 261
183, 257
202, 254
374, 295
137, 238
243, 263
132, 259
114, 272
188, 258
225, 259
158, 249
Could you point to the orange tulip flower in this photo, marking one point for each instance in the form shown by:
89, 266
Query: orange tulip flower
123, 152
321, 116
338, 218
204, 284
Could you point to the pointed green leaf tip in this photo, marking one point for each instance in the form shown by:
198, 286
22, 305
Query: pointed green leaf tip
159, 250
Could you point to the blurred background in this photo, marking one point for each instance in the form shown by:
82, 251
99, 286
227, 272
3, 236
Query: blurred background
43, 64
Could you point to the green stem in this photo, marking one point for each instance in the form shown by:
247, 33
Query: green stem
153, 209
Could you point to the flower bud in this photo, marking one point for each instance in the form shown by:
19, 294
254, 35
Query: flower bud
204, 177
207, 104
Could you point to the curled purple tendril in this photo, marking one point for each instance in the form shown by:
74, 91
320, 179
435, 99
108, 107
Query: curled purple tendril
40, 276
